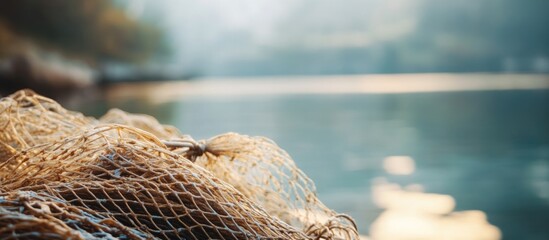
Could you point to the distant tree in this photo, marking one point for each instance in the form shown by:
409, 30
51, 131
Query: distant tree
92, 30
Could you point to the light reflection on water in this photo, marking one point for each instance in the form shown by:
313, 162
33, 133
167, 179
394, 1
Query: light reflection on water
488, 150
399, 165
413, 214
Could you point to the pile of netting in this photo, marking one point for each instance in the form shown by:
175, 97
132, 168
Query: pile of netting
126, 176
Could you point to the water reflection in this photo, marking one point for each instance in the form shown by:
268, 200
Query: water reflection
539, 175
399, 165
411, 213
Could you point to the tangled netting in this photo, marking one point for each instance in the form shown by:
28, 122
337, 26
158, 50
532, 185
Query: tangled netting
126, 176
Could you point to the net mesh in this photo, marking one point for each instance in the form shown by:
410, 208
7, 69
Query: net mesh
126, 176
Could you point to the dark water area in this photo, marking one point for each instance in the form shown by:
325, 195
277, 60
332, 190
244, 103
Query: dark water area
489, 150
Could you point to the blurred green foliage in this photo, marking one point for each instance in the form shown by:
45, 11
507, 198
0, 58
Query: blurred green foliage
95, 30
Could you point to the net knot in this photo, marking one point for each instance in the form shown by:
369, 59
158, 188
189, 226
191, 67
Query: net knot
188, 147
198, 149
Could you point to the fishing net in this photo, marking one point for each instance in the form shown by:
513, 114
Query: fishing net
28, 119
126, 176
143, 122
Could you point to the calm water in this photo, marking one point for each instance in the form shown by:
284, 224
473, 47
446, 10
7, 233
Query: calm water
489, 150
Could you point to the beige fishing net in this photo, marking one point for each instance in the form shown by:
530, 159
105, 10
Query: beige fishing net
126, 176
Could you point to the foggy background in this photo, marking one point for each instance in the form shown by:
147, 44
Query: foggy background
247, 37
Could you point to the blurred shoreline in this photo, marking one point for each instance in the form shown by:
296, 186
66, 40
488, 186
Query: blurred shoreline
165, 91
158, 91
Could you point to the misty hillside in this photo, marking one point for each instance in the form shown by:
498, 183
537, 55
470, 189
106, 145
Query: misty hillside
249, 37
